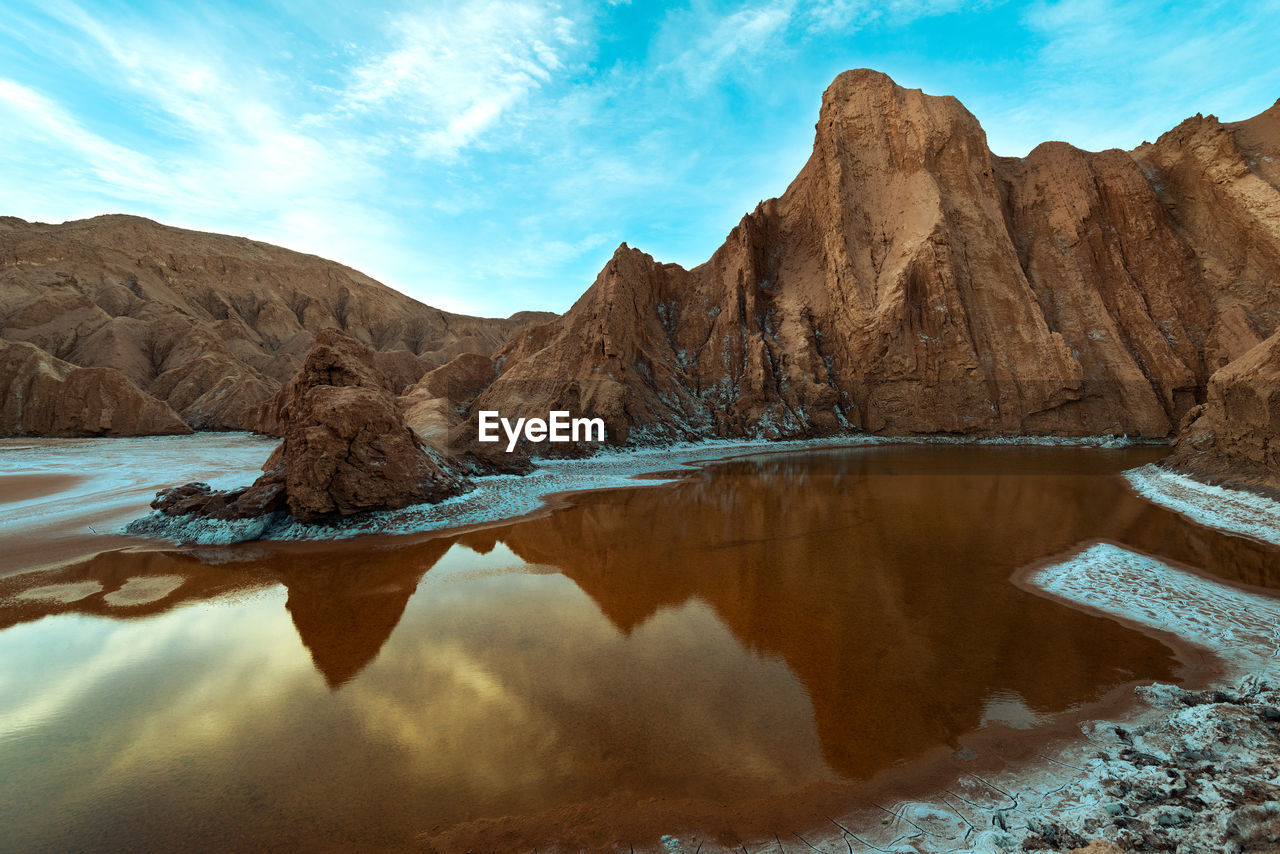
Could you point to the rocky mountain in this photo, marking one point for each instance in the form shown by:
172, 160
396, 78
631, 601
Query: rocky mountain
910, 281
208, 325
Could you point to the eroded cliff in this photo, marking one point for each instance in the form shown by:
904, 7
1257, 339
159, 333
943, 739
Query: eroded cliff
909, 281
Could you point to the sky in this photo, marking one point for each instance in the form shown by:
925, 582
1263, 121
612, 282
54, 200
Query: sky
489, 156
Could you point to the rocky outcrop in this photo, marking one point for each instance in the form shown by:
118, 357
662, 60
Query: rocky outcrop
438, 402
346, 450
207, 323
909, 281
335, 359
1235, 435
44, 396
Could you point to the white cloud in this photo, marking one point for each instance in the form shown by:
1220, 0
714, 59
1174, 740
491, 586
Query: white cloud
1108, 76
728, 41
33, 121
847, 15
456, 72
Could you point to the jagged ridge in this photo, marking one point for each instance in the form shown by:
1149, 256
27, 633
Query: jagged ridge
909, 281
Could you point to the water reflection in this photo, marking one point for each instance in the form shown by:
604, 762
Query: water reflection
755, 629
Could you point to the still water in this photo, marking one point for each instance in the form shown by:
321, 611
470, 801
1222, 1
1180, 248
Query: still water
738, 649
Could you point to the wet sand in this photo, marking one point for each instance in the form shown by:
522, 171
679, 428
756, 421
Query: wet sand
68, 499
745, 652
24, 487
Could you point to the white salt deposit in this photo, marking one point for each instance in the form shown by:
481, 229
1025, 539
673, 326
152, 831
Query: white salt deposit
1230, 510
121, 476
1242, 627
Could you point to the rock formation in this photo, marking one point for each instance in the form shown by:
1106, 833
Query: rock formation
438, 402
1234, 436
44, 396
909, 281
346, 449
207, 323
335, 359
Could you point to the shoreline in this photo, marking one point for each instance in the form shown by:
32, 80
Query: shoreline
505, 498
1191, 770
1234, 511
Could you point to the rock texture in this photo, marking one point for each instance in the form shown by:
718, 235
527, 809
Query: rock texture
346, 449
1235, 435
335, 359
909, 281
438, 402
44, 396
207, 323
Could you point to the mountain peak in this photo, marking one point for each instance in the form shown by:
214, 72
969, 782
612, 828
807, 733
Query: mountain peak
871, 98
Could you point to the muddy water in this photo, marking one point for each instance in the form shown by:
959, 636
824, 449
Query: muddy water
736, 654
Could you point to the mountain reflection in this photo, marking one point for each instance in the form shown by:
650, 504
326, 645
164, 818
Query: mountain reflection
346, 605
882, 578
757, 627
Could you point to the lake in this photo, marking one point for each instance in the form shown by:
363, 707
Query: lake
739, 653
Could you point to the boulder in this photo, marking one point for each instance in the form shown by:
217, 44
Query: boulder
346, 448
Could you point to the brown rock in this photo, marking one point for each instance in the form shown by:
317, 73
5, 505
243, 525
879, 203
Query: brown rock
1099, 846
233, 317
909, 281
335, 359
45, 396
401, 368
1113, 276
438, 402
346, 448
1219, 184
1235, 435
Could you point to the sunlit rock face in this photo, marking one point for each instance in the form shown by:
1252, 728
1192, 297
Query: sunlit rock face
910, 281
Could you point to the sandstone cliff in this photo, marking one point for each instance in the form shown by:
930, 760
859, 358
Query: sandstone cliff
909, 281
206, 323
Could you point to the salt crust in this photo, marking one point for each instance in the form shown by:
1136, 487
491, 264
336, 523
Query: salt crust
1230, 510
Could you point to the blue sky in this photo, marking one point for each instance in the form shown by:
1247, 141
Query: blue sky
489, 156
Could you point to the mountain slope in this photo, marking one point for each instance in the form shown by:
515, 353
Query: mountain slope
909, 281
207, 323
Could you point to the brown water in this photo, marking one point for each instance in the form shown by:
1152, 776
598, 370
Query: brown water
737, 653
